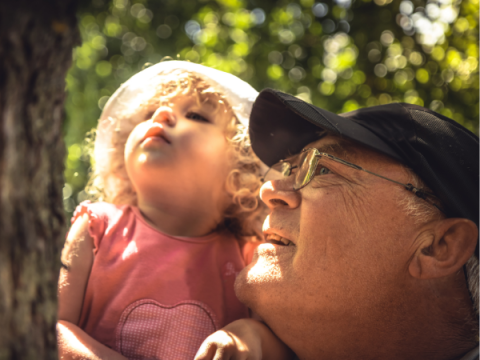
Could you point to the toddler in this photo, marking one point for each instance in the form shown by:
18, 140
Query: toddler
148, 269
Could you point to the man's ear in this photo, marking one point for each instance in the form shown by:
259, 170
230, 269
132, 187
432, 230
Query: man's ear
444, 249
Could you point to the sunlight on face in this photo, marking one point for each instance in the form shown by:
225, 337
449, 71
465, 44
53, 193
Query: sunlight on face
266, 222
142, 158
266, 267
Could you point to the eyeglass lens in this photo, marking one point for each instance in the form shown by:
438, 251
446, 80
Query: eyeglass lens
278, 171
306, 169
308, 163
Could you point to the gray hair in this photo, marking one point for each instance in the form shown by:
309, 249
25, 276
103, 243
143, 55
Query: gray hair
471, 270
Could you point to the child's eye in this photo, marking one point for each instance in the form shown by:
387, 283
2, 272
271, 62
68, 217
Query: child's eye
195, 116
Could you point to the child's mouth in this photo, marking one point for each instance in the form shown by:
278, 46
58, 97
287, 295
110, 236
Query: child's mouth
156, 132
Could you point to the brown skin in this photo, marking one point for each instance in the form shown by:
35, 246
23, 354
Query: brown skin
362, 277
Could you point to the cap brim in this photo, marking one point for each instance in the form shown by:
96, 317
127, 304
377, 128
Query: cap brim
281, 125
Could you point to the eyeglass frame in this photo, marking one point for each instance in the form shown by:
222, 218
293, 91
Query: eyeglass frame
422, 194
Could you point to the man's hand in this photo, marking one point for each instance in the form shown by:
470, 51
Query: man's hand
245, 339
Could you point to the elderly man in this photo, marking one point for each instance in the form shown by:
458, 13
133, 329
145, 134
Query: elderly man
372, 237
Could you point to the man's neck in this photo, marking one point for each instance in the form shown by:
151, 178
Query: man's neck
440, 327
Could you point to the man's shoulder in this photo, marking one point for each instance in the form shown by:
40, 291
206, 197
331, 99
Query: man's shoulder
472, 355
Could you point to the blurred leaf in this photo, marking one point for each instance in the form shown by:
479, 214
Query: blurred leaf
340, 55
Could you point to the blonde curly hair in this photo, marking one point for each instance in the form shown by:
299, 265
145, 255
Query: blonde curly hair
109, 180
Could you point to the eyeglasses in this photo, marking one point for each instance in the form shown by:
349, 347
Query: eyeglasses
307, 168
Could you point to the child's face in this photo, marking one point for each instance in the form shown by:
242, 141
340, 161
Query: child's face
182, 146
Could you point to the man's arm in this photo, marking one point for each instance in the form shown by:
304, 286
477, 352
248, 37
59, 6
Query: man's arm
77, 261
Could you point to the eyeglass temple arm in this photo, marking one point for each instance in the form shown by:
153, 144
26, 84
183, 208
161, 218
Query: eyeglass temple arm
418, 192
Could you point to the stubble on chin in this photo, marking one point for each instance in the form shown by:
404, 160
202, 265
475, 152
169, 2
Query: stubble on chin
255, 281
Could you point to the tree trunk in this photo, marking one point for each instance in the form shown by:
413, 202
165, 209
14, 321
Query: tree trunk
36, 41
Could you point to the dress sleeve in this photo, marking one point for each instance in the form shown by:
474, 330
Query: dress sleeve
97, 223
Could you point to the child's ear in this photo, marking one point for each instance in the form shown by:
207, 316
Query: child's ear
444, 249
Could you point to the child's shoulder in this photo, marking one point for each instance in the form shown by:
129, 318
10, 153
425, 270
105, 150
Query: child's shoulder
102, 217
98, 210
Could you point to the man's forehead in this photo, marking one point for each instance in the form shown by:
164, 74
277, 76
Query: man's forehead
328, 142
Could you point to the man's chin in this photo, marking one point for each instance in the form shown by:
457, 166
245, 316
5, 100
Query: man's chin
256, 280
243, 289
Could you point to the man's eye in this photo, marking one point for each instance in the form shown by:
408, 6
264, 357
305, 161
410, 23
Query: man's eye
322, 170
195, 116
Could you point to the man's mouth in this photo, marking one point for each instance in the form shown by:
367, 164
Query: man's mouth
278, 240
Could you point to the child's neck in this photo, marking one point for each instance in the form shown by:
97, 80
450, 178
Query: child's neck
172, 218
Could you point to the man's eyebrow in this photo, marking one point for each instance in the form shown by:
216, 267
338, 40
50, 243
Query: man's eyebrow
341, 149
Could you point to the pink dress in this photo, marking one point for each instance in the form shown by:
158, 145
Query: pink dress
155, 296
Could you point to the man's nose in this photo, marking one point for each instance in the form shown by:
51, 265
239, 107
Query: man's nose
164, 114
280, 193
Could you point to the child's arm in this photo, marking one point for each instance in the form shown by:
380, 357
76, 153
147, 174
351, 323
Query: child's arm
244, 339
74, 343
77, 260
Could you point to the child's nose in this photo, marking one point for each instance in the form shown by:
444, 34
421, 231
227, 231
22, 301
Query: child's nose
164, 114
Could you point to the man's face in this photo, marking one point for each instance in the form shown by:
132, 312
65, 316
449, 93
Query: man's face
348, 256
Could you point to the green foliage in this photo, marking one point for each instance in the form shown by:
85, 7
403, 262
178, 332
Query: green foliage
338, 55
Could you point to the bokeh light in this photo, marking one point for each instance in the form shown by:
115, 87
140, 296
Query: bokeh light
340, 55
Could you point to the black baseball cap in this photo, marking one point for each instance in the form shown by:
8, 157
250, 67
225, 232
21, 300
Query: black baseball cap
442, 152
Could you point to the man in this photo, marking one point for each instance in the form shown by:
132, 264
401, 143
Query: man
372, 237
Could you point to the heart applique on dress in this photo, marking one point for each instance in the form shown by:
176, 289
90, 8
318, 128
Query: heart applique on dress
150, 330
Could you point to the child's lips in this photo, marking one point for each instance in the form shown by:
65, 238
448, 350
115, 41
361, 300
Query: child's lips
156, 131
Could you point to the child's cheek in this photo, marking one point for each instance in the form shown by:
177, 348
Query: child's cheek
128, 148
133, 139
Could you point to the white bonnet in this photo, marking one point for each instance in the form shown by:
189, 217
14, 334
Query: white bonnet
143, 86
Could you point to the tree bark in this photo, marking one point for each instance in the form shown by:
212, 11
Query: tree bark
36, 41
